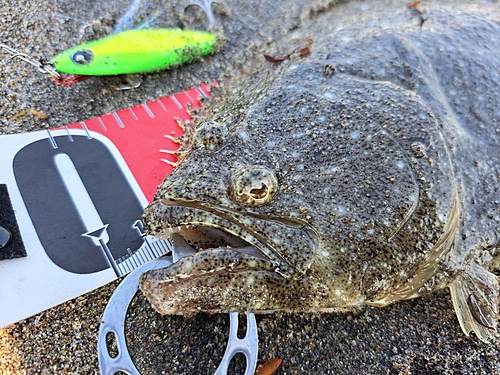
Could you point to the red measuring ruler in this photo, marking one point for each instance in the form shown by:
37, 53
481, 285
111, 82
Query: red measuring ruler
142, 134
77, 193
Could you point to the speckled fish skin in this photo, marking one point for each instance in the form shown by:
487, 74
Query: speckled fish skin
384, 147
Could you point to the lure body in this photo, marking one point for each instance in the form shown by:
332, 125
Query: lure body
135, 51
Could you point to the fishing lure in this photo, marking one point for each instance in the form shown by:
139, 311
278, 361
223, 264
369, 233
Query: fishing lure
132, 51
135, 51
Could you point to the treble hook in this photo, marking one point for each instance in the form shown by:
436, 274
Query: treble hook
43, 66
206, 6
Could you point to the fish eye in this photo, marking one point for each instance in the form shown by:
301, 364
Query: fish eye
210, 135
253, 186
82, 57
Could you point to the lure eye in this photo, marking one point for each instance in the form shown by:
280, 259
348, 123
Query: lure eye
82, 57
253, 186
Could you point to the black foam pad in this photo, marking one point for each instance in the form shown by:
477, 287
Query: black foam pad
11, 243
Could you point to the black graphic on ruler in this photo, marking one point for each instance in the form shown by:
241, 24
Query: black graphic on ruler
79, 201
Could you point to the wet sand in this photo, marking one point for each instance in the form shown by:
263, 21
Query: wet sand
420, 336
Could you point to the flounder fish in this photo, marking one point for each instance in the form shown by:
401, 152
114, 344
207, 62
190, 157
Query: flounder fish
364, 173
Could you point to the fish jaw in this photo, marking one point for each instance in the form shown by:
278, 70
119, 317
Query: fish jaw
215, 280
252, 276
226, 280
290, 245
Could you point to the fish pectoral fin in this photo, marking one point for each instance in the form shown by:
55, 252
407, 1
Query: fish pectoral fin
475, 298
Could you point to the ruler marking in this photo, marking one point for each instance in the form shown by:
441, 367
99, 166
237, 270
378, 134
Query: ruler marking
53, 142
145, 249
179, 105
141, 256
161, 247
148, 110
152, 248
121, 269
84, 126
161, 105
133, 113
128, 268
118, 120
137, 257
69, 134
135, 261
158, 249
189, 97
149, 250
102, 124
169, 162
80, 197
200, 90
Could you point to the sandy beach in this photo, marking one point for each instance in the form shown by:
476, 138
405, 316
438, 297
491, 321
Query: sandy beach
420, 336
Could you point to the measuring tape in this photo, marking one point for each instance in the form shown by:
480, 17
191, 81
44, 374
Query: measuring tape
78, 193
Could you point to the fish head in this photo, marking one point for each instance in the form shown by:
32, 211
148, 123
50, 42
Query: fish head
313, 204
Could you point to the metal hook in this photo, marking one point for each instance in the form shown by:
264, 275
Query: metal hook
45, 67
206, 6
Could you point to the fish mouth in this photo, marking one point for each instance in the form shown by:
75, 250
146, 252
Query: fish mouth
243, 262
288, 245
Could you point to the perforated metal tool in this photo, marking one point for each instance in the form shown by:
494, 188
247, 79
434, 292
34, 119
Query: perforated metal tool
113, 322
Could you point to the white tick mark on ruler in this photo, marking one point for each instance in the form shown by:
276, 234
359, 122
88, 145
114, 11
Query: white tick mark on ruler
148, 110
118, 120
142, 260
53, 142
134, 261
189, 97
176, 101
161, 105
133, 114
149, 252
84, 126
202, 93
102, 124
69, 134
80, 197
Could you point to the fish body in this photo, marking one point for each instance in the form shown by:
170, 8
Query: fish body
365, 173
135, 51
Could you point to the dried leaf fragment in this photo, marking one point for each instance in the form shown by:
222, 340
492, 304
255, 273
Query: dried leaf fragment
304, 51
269, 367
273, 59
38, 113
32, 111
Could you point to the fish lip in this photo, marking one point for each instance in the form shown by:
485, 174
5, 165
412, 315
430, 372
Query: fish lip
211, 210
191, 254
234, 225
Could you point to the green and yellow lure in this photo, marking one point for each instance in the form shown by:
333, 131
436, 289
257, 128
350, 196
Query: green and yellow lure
132, 51
135, 51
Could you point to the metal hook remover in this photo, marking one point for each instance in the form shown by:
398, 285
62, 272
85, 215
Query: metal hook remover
113, 321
